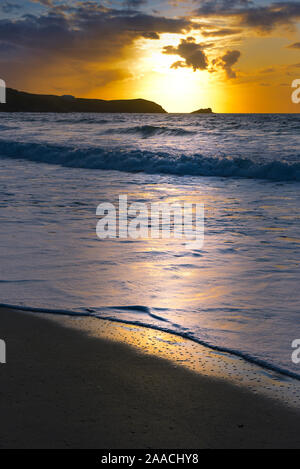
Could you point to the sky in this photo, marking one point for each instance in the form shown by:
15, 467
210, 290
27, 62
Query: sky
230, 55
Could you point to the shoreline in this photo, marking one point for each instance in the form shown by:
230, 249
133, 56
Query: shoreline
235, 354
66, 386
184, 352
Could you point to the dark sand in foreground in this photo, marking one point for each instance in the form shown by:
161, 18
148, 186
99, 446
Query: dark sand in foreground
63, 389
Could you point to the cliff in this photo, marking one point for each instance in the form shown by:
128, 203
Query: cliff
18, 101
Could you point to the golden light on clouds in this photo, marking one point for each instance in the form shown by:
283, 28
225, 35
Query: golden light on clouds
153, 78
227, 58
178, 90
182, 89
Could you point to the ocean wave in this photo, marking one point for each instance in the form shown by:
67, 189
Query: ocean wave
151, 162
83, 120
147, 131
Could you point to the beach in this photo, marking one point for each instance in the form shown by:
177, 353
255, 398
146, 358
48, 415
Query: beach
150, 227
63, 388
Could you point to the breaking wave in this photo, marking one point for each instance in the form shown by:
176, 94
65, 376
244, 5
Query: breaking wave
151, 162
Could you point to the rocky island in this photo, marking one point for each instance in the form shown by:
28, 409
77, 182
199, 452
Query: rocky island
203, 111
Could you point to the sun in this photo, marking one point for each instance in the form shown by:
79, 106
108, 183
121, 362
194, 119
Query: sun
176, 89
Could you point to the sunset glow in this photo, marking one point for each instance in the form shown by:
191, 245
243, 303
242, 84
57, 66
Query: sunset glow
237, 57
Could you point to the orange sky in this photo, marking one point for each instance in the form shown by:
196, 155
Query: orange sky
241, 58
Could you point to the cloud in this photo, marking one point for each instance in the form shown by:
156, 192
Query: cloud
47, 3
178, 64
150, 35
263, 18
228, 61
191, 52
296, 45
221, 32
267, 18
9, 7
217, 7
195, 57
268, 70
134, 4
72, 42
88, 31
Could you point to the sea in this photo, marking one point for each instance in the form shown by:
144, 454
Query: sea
238, 293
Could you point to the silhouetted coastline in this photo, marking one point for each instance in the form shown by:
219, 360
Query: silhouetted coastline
19, 101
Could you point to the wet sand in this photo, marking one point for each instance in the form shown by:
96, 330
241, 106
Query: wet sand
63, 388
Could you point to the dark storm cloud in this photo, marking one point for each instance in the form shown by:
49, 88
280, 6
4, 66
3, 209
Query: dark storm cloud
87, 31
192, 53
264, 18
73, 38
